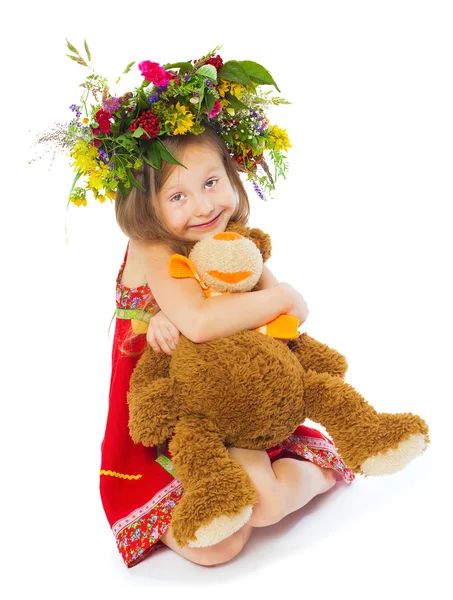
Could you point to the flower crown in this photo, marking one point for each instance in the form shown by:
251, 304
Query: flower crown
113, 136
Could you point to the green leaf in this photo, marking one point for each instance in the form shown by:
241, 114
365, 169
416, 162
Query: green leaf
228, 137
254, 141
139, 132
124, 191
76, 178
208, 71
129, 66
154, 155
71, 47
234, 102
258, 73
142, 102
87, 50
232, 70
148, 162
166, 155
182, 66
209, 100
133, 181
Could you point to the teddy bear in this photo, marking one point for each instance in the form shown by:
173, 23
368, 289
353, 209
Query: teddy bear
250, 391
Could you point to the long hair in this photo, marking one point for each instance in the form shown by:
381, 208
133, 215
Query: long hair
138, 214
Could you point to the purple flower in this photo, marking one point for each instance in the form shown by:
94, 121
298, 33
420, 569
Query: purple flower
153, 98
209, 83
187, 77
162, 88
111, 104
258, 190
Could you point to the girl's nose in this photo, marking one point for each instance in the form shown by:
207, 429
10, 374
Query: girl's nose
204, 207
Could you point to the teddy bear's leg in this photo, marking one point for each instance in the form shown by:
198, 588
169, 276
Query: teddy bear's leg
317, 356
153, 410
219, 495
370, 443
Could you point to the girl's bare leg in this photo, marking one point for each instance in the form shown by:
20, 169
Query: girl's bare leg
284, 486
211, 555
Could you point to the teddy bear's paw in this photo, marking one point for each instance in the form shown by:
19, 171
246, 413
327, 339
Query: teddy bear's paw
220, 528
391, 461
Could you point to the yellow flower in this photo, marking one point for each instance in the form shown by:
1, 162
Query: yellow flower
181, 120
279, 138
223, 88
78, 201
97, 175
85, 120
110, 194
84, 156
237, 90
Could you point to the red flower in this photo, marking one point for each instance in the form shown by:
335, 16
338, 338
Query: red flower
149, 122
153, 72
216, 61
102, 117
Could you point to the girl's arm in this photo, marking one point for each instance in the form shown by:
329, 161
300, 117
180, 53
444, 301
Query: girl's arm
204, 319
267, 279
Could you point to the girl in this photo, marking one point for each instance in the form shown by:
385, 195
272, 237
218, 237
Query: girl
180, 207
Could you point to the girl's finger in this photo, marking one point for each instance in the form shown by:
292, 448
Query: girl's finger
173, 333
151, 339
163, 343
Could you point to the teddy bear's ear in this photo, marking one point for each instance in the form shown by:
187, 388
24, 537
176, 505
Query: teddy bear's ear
261, 240
181, 267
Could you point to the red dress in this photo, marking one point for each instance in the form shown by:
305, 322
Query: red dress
137, 485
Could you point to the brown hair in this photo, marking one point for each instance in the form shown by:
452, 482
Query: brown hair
138, 214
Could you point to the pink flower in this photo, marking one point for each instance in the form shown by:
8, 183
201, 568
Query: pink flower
153, 72
111, 104
215, 109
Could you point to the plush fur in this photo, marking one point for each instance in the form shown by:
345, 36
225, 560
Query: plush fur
251, 391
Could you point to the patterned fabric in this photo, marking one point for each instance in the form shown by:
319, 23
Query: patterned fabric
137, 484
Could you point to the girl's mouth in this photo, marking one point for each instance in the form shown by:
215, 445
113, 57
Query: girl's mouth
206, 225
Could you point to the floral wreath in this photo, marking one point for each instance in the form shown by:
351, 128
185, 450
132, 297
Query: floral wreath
111, 137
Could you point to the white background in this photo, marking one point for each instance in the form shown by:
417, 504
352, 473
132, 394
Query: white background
361, 227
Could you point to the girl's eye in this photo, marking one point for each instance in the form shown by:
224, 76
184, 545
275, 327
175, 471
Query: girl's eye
175, 197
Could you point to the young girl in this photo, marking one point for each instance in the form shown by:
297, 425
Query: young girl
170, 156
138, 488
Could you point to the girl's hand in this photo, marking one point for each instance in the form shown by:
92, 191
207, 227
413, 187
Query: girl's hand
297, 306
162, 335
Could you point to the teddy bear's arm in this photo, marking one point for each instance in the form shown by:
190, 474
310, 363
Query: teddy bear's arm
150, 404
317, 356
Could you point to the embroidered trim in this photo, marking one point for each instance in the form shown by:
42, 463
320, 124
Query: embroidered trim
139, 512
120, 475
130, 314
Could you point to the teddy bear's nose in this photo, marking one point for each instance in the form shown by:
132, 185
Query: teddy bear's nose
230, 277
227, 236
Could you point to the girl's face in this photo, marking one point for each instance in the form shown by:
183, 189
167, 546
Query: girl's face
197, 202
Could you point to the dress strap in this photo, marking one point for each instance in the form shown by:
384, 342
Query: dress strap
118, 279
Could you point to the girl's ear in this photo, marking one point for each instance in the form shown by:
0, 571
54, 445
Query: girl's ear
259, 238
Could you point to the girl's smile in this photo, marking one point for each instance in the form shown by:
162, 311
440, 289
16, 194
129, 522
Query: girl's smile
208, 224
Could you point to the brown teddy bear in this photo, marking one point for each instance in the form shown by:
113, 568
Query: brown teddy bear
250, 391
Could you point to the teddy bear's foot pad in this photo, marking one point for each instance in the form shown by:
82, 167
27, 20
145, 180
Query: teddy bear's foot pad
391, 461
220, 528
